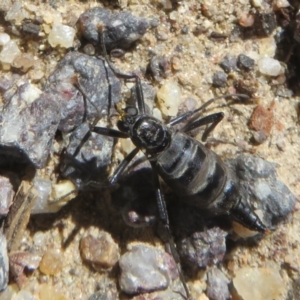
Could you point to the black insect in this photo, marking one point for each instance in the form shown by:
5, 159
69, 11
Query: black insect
192, 171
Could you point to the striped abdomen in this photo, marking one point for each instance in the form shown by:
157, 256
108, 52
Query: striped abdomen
193, 171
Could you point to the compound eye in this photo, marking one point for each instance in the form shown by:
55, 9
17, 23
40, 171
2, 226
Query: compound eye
131, 111
122, 126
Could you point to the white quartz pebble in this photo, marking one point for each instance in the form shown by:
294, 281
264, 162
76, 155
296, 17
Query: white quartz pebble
4, 39
269, 66
9, 52
61, 35
169, 98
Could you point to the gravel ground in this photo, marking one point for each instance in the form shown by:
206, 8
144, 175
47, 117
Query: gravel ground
189, 40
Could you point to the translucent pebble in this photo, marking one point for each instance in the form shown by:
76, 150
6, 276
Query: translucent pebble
57, 191
61, 35
50, 292
9, 52
282, 3
169, 98
17, 13
157, 114
64, 191
52, 262
8, 293
4, 38
256, 3
23, 61
259, 284
269, 66
23, 295
39, 239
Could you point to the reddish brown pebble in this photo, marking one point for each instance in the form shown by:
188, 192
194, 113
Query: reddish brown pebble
262, 119
246, 20
101, 252
21, 261
52, 262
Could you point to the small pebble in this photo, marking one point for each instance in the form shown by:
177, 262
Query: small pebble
20, 263
257, 3
45, 188
269, 66
259, 136
24, 295
4, 39
9, 292
9, 52
23, 61
39, 239
7, 195
219, 79
245, 62
228, 63
159, 66
101, 252
217, 285
145, 269
246, 19
169, 98
61, 35
89, 49
4, 268
261, 120
282, 3
202, 249
162, 33
121, 28
52, 262
259, 284
48, 291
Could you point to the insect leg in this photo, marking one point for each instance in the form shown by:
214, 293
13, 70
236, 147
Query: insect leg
122, 166
138, 86
213, 119
191, 113
164, 218
110, 132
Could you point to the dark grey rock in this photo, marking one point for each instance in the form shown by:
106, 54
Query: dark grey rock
7, 195
228, 63
145, 269
244, 62
86, 158
29, 122
100, 86
202, 249
4, 265
259, 179
121, 28
159, 67
217, 285
219, 79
